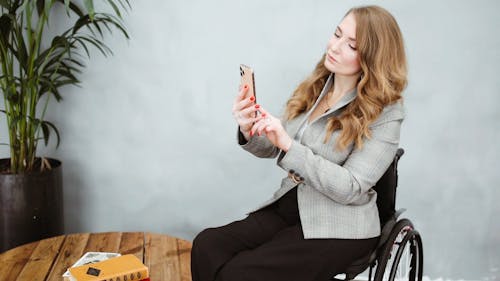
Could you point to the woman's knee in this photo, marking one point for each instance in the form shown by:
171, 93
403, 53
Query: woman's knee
204, 239
232, 270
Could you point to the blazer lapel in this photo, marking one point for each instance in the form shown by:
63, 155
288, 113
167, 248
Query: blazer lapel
294, 128
345, 100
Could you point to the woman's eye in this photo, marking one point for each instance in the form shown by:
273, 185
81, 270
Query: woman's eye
352, 47
336, 35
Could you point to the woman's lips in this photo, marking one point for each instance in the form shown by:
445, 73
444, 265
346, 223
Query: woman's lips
331, 59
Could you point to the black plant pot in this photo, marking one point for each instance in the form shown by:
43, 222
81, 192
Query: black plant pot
31, 206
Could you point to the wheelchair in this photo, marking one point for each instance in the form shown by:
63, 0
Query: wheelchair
399, 253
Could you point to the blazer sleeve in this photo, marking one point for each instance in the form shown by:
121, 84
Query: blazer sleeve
259, 146
350, 182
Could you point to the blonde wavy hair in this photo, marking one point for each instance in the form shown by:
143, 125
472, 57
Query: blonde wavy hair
383, 77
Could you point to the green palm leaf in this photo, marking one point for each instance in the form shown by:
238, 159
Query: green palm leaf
29, 70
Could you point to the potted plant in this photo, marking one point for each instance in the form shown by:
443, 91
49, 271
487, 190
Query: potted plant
34, 66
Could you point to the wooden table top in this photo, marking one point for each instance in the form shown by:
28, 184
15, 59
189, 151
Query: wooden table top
168, 258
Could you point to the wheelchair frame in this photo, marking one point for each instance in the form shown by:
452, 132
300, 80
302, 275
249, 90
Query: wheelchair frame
399, 254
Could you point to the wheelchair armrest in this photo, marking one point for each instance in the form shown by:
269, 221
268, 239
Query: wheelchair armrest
398, 213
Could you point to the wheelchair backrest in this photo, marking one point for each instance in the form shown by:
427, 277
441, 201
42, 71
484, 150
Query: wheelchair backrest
386, 190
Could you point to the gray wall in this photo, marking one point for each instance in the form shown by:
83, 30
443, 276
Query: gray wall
148, 141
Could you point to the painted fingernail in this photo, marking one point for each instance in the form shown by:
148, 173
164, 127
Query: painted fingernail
251, 133
263, 115
257, 106
252, 98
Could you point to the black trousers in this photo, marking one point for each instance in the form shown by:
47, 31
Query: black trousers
269, 245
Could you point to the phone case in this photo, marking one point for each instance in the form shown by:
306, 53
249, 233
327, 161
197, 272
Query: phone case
247, 77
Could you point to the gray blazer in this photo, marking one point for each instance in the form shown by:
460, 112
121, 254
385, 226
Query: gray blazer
334, 188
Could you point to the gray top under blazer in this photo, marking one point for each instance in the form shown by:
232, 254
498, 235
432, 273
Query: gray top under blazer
335, 195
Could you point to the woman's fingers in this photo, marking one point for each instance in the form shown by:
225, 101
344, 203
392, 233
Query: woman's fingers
271, 126
250, 112
263, 121
242, 95
241, 102
243, 91
247, 112
245, 103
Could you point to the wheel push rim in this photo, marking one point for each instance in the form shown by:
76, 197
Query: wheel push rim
402, 258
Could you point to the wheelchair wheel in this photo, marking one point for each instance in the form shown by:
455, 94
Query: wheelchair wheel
401, 258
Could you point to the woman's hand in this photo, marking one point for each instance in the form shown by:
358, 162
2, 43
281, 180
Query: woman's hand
244, 111
273, 129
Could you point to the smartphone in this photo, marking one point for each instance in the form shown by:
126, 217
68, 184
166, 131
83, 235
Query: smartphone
247, 77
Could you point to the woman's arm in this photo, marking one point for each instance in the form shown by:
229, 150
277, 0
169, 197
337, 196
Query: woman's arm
259, 146
245, 113
350, 182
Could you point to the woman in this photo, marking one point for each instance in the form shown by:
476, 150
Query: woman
339, 134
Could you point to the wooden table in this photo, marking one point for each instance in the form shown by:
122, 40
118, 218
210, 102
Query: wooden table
168, 258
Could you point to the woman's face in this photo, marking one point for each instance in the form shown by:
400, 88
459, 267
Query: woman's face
341, 54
